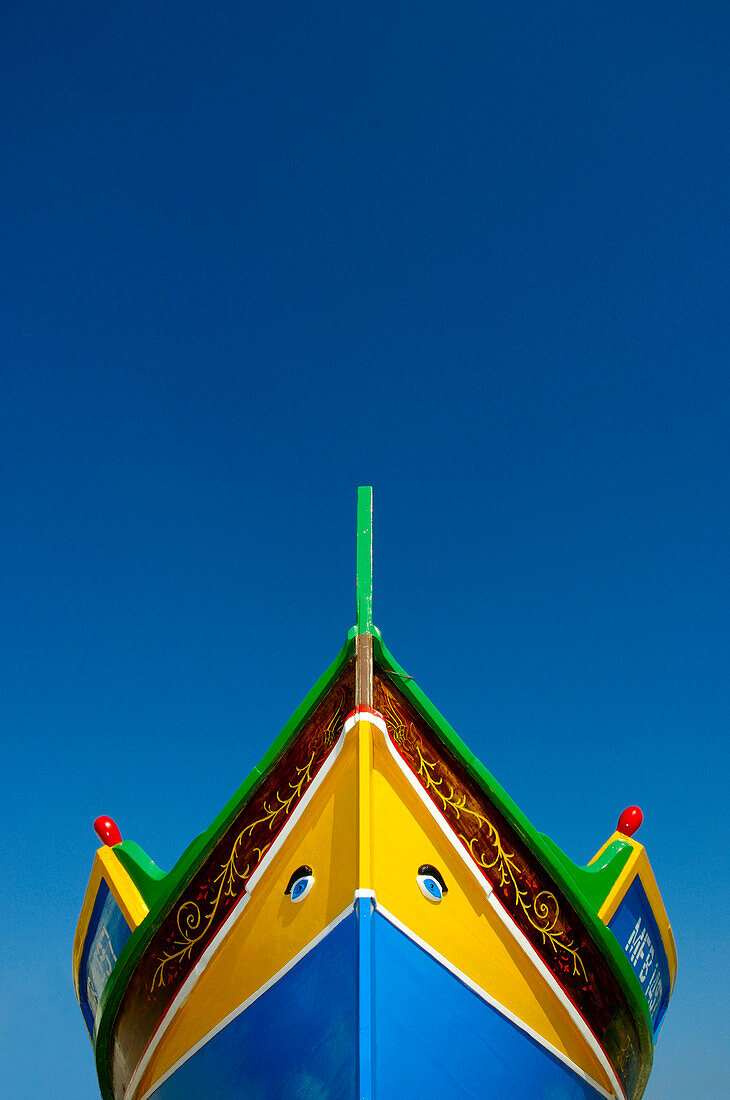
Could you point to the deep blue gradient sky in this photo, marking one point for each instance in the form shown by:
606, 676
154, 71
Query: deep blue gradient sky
254, 255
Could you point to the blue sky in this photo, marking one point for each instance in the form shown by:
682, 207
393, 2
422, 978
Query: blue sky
255, 255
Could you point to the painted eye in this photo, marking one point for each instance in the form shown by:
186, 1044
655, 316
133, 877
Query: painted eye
431, 883
300, 883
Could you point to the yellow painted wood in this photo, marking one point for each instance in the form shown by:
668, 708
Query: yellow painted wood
106, 867
463, 927
271, 929
638, 864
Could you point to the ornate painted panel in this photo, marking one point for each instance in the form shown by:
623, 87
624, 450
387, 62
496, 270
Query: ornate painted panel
533, 900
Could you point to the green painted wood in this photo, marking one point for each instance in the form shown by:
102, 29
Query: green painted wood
151, 881
596, 880
365, 559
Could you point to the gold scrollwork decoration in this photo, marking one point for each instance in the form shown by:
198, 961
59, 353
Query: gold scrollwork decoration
397, 726
625, 1052
192, 926
330, 729
458, 803
542, 911
304, 778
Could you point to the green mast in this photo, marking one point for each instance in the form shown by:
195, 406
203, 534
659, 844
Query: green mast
364, 627
365, 559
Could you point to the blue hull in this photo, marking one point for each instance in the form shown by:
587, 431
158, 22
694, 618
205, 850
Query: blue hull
368, 1013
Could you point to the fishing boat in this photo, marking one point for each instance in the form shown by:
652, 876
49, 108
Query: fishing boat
371, 915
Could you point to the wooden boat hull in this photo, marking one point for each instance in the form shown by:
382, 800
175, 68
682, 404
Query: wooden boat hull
490, 978
371, 916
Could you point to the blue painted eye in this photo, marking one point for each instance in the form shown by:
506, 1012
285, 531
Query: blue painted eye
431, 883
300, 883
301, 887
430, 887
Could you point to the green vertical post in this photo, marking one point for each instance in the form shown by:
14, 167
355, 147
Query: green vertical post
365, 559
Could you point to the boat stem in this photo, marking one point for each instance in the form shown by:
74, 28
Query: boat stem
364, 634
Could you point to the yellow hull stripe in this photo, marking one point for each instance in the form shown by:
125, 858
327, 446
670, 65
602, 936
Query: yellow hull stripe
365, 826
266, 931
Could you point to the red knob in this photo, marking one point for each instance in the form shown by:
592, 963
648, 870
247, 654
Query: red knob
107, 831
630, 820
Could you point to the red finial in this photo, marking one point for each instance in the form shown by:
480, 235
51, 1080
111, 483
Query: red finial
630, 820
107, 831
